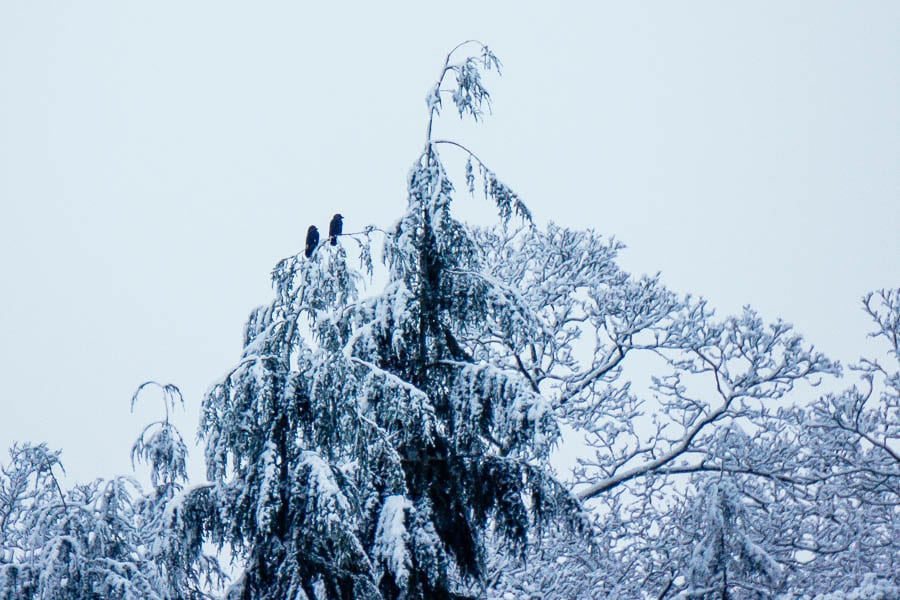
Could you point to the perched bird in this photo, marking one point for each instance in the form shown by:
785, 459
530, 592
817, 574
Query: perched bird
335, 228
312, 240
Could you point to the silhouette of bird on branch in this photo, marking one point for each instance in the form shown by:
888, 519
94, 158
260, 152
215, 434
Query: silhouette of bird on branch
312, 240
335, 228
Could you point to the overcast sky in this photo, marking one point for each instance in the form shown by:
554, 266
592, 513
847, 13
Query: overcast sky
158, 158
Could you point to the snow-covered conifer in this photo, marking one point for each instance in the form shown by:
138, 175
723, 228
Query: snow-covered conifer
393, 442
726, 562
363, 447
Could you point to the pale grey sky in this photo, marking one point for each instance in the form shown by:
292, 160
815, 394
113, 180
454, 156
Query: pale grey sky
157, 159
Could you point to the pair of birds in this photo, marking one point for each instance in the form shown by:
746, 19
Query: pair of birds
335, 228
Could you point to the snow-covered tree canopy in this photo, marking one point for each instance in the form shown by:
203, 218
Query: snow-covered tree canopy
397, 440
364, 446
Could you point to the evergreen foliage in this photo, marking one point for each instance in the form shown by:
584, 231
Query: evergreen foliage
395, 442
726, 563
361, 446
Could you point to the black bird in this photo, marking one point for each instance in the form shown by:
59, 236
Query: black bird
335, 228
312, 240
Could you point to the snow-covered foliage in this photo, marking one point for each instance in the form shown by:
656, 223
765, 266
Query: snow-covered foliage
365, 444
104, 539
871, 588
725, 560
396, 442
842, 455
804, 497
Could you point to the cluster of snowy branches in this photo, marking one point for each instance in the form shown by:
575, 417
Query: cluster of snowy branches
398, 443
104, 539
